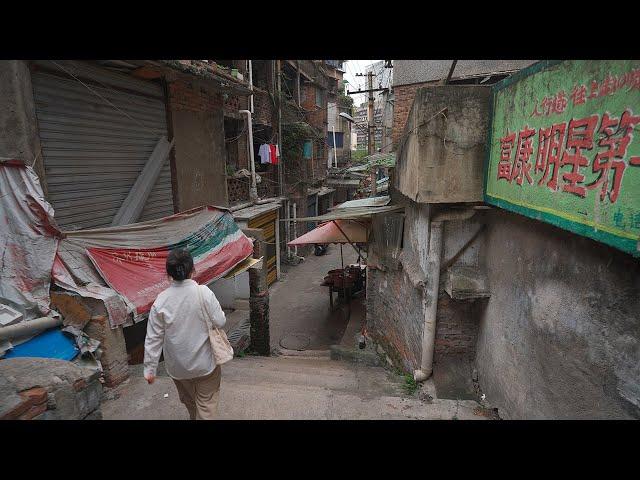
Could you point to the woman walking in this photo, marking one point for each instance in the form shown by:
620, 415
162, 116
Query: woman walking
177, 326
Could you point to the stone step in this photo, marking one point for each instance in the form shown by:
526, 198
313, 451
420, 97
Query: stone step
309, 354
286, 402
276, 400
312, 372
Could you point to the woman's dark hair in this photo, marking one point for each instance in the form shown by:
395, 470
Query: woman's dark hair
179, 264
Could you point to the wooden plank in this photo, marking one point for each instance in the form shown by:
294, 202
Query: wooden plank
133, 204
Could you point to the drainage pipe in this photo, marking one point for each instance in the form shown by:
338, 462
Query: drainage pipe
430, 299
295, 227
253, 192
250, 68
29, 327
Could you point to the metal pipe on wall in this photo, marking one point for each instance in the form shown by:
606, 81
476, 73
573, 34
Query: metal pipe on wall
295, 227
430, 300
250, 69
253, 192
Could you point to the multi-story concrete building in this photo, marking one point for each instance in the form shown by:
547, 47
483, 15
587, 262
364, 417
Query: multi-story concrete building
361, 124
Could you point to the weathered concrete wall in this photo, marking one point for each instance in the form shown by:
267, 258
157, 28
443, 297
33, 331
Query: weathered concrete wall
197, 125
442, 159
18, 122
395, 293
560, 337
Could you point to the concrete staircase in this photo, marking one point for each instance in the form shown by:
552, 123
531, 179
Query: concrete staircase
292, 386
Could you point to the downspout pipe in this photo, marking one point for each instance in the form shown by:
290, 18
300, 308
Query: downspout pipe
250, 68
434, 259
253, 192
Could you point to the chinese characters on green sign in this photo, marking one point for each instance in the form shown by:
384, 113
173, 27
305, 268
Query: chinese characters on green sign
562, 148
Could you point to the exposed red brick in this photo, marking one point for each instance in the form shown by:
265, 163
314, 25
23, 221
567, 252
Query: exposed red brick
35, 395
34, 411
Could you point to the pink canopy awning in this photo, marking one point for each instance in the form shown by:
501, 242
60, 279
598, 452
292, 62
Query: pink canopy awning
356, 231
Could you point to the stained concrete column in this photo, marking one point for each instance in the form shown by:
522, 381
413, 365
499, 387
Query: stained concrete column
259, 297
18, 122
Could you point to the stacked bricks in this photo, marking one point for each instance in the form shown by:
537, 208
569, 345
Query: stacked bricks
395, 316
403, 100
48, 389
190, 95
457, 326
238, 189
114, 359
90, 315
34, 403
395, 319
263, 107
231, 104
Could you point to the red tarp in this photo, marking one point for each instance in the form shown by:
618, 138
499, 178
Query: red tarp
131, 258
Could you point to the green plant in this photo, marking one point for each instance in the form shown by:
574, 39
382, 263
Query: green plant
410, 385
358, 155
241, 354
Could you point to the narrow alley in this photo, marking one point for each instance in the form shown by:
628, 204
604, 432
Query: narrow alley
342, 239
304, 385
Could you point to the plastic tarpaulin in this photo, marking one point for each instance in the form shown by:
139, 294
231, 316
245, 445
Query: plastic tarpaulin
28, 240
131, 258
334, 232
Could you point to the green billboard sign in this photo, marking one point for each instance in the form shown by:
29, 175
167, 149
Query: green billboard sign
564, 148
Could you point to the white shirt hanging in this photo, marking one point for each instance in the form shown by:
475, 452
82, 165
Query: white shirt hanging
265, 153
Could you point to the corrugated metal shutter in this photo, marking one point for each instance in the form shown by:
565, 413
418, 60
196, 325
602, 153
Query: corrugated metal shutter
92, 152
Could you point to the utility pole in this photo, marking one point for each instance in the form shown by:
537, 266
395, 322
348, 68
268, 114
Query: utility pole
370, 137
370, 124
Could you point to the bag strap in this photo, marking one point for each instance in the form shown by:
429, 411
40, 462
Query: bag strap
203, 308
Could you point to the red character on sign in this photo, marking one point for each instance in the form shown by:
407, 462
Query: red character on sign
579, 136
634, 79
547, 105
594, 89
579, 95
550, 141
560, 102
608, 86
504, 165
536, 113
616, 137
521, 166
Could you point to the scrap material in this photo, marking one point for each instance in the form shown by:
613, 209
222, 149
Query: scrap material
28, 240
131, 259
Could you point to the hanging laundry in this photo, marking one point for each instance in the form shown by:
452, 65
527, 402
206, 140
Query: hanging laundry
274, 154
265, 153
306, 153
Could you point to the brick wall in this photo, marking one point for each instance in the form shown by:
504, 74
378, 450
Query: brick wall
456, 327
190, 95
197, 124
238, 189
395, 304
394, 316
263, 108
403, 99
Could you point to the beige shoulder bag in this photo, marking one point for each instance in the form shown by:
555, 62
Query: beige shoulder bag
222, 349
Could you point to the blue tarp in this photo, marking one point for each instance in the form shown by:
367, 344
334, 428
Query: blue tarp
50, 344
